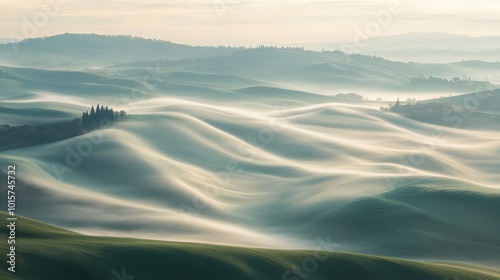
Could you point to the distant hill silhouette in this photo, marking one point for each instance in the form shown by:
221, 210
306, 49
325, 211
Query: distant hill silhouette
296, 67
97, 50
434, 47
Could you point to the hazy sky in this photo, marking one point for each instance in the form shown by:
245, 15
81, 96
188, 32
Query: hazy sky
247, 21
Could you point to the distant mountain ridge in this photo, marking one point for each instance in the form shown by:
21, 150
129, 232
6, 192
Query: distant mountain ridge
436, 41
434, 47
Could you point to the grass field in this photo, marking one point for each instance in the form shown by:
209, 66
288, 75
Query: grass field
47, 252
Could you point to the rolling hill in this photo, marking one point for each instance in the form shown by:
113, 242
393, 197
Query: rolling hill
248, 148
47, 252
274, 147
322, 72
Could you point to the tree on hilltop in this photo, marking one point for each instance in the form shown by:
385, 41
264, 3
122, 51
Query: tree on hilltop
99, 115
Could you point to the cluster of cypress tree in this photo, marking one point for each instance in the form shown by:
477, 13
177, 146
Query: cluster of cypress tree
96, 117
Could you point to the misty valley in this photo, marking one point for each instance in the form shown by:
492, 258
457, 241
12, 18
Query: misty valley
156, 160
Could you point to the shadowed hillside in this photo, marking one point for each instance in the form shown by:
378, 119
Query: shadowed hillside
13, 137
478, 110
47, 252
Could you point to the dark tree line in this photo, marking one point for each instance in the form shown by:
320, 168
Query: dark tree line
13, 137
97, 116
101, 116
18, 136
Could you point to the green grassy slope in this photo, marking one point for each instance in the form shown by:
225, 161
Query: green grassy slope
47, 252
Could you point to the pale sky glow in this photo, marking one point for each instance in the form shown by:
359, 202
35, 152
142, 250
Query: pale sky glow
245, 21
